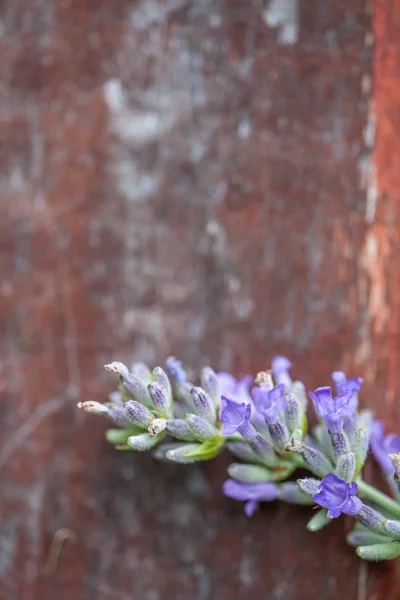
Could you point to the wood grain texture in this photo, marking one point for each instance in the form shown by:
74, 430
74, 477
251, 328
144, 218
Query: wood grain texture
198, 178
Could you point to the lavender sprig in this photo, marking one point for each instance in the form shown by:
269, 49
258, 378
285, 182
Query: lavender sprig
263, 423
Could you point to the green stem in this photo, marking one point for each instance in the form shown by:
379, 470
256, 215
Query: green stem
379, 498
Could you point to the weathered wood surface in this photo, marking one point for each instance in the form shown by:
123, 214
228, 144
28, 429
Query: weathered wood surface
199, 178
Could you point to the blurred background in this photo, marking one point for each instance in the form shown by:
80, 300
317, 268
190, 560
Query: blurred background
214, 179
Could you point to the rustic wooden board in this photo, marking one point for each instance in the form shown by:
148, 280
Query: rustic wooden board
199, 178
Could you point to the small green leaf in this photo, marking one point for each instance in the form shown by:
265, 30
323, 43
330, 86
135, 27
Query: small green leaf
208, 449
386, 551
318, 521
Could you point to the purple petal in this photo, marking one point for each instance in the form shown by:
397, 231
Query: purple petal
280, 364
392, 443
250, 507
332, 491
334, 423
322, 398
352, 488
352, 506
233, 415
376, 430
250, 491
228, 383
341, 402
333, 513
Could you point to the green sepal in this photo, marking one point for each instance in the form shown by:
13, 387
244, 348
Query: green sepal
124, 392
250, 473
377, 552
361, 536
318, 521
159, 415
120, 436
304, 423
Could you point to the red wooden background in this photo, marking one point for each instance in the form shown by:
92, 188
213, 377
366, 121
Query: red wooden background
200, 178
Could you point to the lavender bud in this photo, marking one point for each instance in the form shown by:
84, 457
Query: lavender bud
160, 453
250, 473
159, 399
393, 528
243, 451
289, 492
142, 372
364, 421
201, 429
340, 443
360, 448
142, 442
180, 430
263, 449
376, 552
346, 466
365, 537
160, 377
293, 413
94, 407
117, 367
395, 458
299, 391
309, 486
135, 387
157, 426
203, 404
279, 433
371, 519
314, 459
139, 414
120, 416
176, 370
210, 383
318, 521
182, 454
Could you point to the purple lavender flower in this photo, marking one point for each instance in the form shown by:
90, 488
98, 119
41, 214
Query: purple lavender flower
234, 416
175, 369
353, 384
332, 410
269, 401
383, 446
235, 389
338, 496
280, 369
251, 493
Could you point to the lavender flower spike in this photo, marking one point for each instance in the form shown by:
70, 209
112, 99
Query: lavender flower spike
383, 446
251, 493
280, 370
338, 496
348, 385
332, 410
